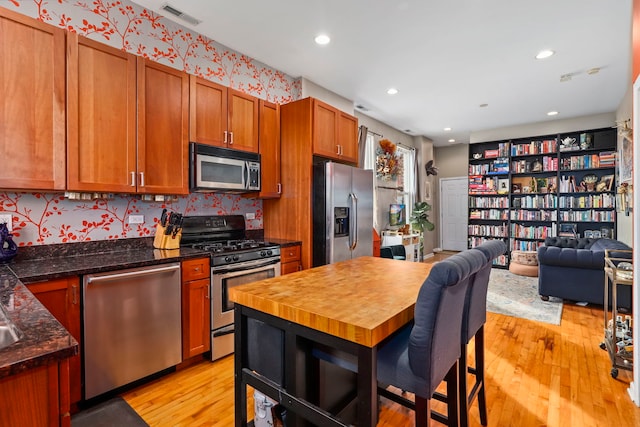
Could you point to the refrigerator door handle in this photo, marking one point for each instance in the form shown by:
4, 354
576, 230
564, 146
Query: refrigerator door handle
353, 223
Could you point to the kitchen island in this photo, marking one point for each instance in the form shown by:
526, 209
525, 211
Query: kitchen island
349, 306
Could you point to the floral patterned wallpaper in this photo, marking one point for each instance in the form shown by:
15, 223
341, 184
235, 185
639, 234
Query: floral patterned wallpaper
43, 218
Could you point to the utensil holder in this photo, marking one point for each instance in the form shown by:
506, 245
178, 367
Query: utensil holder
166, 241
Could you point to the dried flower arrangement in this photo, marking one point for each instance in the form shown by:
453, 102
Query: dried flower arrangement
388, 164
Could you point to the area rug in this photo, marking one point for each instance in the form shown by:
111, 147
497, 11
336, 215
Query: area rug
113, 412
517, 296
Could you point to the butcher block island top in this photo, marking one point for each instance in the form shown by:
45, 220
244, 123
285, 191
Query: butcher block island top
361, 300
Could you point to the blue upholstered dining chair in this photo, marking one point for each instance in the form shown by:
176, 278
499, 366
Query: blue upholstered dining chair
474, 318
393, 252
421, 355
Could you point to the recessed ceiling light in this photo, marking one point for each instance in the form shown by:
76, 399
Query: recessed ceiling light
594, 70
392, 91
447, 129
322, 39
452, 140
552, 113
544, 54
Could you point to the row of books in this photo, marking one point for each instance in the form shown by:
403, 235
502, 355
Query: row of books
591, 201
479, 184
605, 159
588, 215
525, 245
545, 164
489, 202
535, 147
532, 232
488, 214
488, 230
533, 202
540, 215
501, 151
497, 166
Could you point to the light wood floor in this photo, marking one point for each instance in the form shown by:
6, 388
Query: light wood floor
537, 375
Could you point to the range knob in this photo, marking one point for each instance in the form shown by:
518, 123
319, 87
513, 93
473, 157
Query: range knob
263, 253
236, 257
227, 259
269, 252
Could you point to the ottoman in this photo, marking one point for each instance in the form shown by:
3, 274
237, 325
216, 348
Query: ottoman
524, 263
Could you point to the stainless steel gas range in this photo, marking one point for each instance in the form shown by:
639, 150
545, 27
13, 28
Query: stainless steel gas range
235, 260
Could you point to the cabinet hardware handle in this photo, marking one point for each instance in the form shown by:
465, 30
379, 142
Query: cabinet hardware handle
141, 179
74, 293
196, 269
231, 138
338, 150
340, 147
170, 268
207, 295
279, 188
133, 179
225, 137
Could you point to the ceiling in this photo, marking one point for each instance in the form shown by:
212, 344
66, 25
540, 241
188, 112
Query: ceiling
445, 57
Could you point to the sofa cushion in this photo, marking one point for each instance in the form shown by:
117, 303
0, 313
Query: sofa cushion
572, 256
601, 244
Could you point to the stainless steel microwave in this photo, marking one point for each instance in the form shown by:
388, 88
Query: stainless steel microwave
220, 169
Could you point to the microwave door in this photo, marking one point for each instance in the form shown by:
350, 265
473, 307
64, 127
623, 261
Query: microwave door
220, 173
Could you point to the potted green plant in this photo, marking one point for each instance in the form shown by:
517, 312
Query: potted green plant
420, 221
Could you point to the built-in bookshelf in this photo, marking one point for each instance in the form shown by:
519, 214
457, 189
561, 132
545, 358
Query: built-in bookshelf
524, 190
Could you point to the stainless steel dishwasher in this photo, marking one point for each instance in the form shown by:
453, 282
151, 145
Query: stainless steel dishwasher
132, 325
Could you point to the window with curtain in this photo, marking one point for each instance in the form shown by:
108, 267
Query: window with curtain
407, 180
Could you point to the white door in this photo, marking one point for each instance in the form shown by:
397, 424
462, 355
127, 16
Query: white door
453, 213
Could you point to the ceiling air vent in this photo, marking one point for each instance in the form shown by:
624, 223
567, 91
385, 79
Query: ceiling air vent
178, 14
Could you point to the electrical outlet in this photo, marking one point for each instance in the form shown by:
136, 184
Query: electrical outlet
136, 219
7, 218
250, 215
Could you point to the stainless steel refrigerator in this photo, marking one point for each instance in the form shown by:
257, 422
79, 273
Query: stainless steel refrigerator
342, 213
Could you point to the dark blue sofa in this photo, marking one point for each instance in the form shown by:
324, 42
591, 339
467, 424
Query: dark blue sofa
573, 269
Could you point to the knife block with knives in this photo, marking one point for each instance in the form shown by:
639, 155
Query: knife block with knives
168, 231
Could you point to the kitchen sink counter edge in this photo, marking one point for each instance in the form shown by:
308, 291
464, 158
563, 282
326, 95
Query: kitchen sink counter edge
44, 340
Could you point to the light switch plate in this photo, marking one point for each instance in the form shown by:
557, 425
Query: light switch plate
136, 219
8, 218
250, 215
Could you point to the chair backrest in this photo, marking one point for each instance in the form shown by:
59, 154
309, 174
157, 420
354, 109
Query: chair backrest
475, 308
434, 344
393, 252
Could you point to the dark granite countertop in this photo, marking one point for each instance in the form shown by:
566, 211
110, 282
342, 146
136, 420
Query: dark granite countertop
283, 242
44, 339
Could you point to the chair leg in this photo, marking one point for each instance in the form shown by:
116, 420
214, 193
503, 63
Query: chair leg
482, 399
422, 412
463, 400
453, 406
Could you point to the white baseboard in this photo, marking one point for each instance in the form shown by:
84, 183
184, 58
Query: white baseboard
437, 250
425, 256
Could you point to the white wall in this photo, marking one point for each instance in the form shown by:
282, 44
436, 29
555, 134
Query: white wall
545, 128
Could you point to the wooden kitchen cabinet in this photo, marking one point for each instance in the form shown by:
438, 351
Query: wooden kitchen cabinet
222, 116
290, 259
128, 122
36, 397
101, 111
196, 307
302, 124
32, 105
270, 185
62, 298
335, 133
163, 129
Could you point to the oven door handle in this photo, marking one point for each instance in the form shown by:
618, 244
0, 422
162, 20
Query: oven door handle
244, 266
223, 331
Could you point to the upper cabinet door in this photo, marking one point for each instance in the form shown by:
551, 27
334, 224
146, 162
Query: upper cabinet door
243, 121
101, 114
163, 125
325, 130
208, 112
348, 137
32, 104
269, 150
